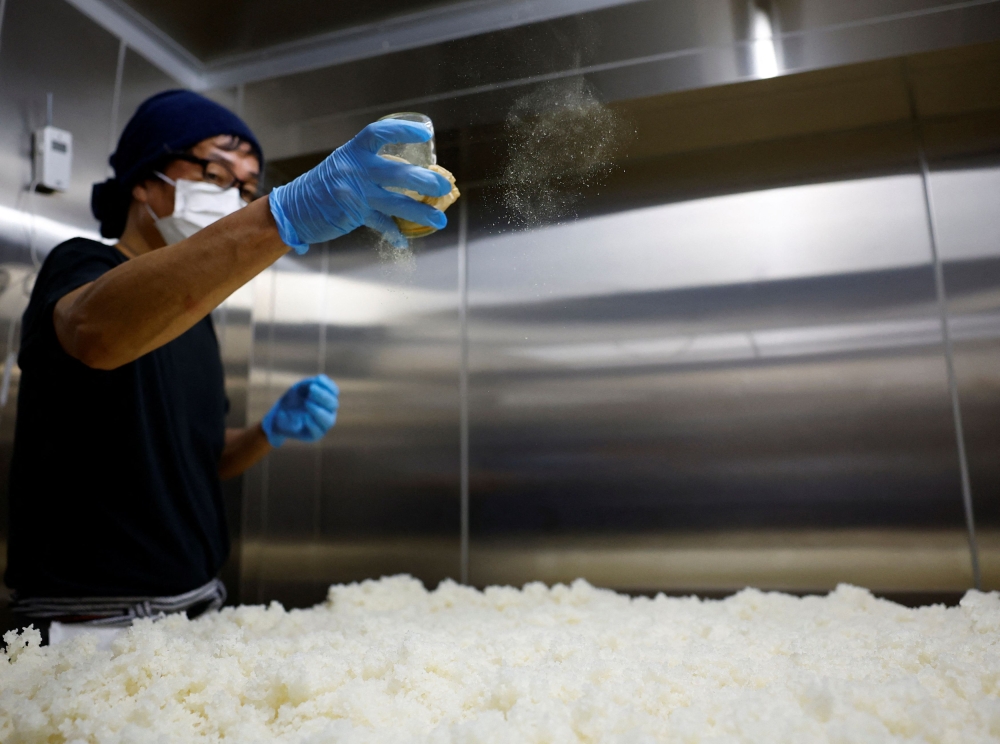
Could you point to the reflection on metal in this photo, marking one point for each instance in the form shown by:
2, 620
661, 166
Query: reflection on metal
946, 334
770, 344
756, 361
409, 31
288, 566
9, 362
765, 53
956, 406
232, 327
811, 560
693, 55
42, 234
815, 230
802, 560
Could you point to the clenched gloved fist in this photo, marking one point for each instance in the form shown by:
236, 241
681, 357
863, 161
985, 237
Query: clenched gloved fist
305, 412
347, 190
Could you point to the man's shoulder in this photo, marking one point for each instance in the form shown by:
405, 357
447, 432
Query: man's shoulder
69, 265
76, 248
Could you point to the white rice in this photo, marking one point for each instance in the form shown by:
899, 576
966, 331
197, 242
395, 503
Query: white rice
387, 661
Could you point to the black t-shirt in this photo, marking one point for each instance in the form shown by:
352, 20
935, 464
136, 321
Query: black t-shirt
114, 485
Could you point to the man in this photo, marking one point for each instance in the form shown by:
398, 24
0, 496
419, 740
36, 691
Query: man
120, 445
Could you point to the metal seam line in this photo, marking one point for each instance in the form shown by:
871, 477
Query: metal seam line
956, 406
116, 98
265, 471
3, 12
9, 357
321, 365
942, 299
245, 478
463, 385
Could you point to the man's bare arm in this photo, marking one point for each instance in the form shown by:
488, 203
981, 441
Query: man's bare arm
154, 298
243, 448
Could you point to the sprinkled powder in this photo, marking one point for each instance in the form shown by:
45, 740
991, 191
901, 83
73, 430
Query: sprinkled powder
562, 141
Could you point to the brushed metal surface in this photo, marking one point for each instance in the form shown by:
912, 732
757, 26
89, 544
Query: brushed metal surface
636, 50
927, 560
207, 30
213, 47
387, 332
724, 368
730, 397
736, 362
970, 242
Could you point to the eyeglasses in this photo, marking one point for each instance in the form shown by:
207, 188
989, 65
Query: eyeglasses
220, 174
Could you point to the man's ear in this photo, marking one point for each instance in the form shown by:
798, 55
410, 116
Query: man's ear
140, 193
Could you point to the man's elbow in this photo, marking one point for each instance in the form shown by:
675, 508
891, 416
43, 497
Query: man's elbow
95, 353
97, 356
87, 345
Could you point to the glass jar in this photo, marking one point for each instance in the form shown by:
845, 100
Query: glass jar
415, 153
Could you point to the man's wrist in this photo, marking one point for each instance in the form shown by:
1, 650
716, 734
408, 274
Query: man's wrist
259, 431
286, 231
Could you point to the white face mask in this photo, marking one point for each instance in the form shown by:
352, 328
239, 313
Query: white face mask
197, 204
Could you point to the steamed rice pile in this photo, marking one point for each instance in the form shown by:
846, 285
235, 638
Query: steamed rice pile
387, 661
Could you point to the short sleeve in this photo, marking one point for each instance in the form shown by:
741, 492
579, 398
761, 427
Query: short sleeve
69, 266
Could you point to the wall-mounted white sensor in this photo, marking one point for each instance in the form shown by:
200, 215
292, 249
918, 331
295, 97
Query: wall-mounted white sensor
53, 159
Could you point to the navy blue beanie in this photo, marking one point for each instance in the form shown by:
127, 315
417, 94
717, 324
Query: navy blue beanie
171, 121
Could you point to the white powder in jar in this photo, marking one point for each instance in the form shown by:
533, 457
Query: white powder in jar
387, 661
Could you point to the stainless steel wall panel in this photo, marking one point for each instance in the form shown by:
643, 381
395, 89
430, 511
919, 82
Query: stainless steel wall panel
638, 49
211, 30
725, 368
969, 235
897, 35
738, 343
233, 328
804, 15
380, 493
958, 100
760, 369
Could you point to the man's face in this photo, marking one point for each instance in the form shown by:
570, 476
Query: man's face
237, 159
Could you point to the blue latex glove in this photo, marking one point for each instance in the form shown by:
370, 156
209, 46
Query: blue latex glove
346, 190
306, 411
